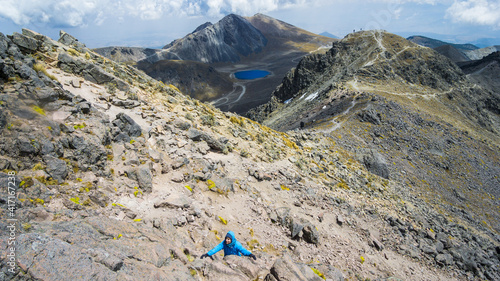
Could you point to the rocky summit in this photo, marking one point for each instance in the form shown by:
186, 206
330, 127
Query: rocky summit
118, 176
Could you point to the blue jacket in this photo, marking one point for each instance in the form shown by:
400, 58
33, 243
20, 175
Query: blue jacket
234, 248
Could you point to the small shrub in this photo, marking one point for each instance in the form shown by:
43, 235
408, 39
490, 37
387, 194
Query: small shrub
73, 52
189, 116
208, 120
244, 153
38, 67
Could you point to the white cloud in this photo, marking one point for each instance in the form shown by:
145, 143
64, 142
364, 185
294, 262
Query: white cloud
481, 12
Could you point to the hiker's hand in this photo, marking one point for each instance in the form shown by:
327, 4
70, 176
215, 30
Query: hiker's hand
253, 257
204, 256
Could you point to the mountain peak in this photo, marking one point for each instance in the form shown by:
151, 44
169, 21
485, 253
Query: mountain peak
227, 40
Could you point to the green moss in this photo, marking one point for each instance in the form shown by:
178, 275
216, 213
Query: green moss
75, 200
318, 273
79, 126
210, 184
39, 110
222, 220
27, 226
193, 272
252, 244
49, 181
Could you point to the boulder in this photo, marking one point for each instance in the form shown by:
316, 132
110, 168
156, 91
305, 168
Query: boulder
285, 269
197, 135
144, 178
311, 234
47, 258
26, 43
245, 266
70, 41
218, 271
56, 168
127, 125
174, 202
375, 163
4, 45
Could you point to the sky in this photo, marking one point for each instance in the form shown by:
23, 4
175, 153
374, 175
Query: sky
155, 23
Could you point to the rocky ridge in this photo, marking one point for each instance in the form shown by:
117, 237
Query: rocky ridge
121, 177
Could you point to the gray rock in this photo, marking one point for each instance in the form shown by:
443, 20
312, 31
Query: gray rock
46, 258
26, 43
375, 163
174, 202
340, 219
4, 45
69, 64
197, 135
145, 178
25, 147
218, 271
96, 74
444, 259
296, 227
56, 168
284, 269
70, 41
127, 125
45, 95
370, 115
311, 234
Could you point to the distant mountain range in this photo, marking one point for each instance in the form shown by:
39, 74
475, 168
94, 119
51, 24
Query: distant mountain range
456, 52
328, 34
234, 43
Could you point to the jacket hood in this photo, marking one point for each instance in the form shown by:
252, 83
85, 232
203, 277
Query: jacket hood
230, 234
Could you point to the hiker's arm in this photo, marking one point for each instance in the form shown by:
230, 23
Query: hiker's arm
243, 251
216, 249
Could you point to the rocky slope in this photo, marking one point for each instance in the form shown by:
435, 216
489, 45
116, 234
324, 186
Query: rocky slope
121, 177
405, 112
434, 43
284, 36
196, 79
228, 40
481, 53
129, 55
452, 53
485, 72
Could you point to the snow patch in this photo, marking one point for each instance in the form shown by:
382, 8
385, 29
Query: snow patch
312, 96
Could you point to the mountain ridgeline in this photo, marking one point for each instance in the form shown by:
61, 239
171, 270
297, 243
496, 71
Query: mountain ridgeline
408, 114
226, 41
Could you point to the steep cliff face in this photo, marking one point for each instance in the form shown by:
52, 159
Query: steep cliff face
228, 40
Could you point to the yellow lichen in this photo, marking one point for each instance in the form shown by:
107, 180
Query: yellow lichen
39, 110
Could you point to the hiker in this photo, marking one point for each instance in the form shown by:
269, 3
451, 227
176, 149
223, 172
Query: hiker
231, 247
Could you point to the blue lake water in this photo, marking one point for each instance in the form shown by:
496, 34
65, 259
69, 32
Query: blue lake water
251, 74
